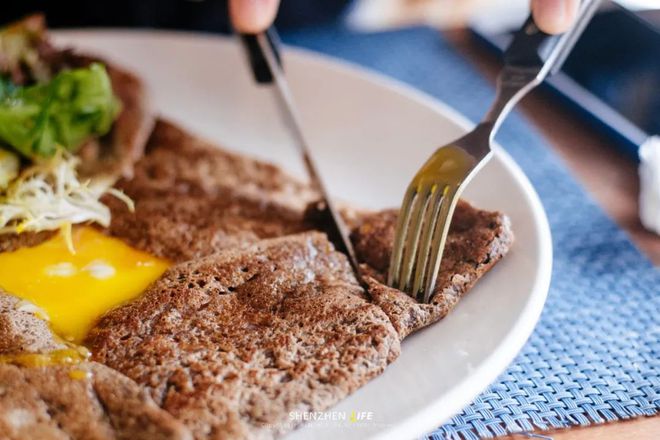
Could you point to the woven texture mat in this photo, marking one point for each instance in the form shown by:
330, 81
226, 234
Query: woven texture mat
595, 354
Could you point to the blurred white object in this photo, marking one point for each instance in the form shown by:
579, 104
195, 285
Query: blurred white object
649, 179
635, 5
372, 15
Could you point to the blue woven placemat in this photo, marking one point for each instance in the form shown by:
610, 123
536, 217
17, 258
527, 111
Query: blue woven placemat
595, 354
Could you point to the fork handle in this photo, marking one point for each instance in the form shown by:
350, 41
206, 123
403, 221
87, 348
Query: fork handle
530, 46
533, 48
256, 57
529, 59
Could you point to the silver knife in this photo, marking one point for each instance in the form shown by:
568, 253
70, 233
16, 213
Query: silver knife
264, 56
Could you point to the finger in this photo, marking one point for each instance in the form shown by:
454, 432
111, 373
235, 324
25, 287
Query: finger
554, 16
252, 16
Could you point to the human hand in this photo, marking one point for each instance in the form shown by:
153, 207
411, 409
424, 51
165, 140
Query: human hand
252, 16
554, 16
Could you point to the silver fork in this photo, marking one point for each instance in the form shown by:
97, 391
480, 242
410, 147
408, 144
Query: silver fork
431, 197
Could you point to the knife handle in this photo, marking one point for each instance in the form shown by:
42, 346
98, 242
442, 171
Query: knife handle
256, 57
533, 48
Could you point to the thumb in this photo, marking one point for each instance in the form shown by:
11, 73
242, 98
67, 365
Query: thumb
252, 16
554, 16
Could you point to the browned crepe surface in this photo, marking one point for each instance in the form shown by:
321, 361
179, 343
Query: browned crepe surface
249, 326
48, 403
233, 342
193, 199
477, 240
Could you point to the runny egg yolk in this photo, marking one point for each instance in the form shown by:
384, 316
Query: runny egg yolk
75, 289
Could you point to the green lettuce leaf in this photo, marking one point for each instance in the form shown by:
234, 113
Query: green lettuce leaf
73, 107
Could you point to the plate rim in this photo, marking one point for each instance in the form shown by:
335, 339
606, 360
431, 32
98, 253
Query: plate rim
439, 411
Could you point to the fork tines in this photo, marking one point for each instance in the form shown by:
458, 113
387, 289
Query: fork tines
421, 232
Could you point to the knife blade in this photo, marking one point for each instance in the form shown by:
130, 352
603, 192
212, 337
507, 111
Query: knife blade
264, 57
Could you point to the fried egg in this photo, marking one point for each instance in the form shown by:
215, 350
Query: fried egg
72, 290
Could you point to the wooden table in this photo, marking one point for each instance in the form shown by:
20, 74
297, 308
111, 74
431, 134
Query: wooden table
609, 177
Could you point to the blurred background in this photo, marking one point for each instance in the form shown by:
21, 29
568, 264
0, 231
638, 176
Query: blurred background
612, 79
210, 15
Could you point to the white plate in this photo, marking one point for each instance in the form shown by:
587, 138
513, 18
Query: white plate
369, 134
